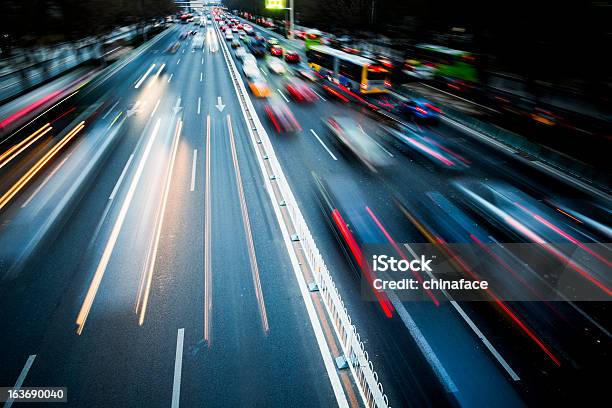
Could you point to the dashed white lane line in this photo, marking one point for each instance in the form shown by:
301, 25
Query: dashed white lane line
323, 144
201, 76
178, 367
120, 179
110, 110
155, 107
142, 79
193, 169
263, 72
21, 378
178, 61
473, 326
282, 94
319, 95
170, 78
202, 62
199, 103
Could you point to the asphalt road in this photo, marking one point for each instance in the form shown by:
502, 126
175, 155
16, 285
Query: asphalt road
122, 278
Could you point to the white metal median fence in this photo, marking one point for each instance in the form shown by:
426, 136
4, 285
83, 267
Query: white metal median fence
361, 367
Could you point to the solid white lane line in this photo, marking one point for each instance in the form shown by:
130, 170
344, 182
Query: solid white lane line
21, 378
178, 367
247, 229
110, 110
282, 94
46, 180
199, 103
263, 72
110, 245
155, 107
121, 176
142, 79
207, 234
193, 169
323, 144
472, 325
152, 258
201, 76
170, 78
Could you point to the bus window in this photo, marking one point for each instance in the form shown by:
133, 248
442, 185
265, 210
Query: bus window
350, 70
323, 60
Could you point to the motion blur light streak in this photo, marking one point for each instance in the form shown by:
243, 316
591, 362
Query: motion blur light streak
23, 181
11, 153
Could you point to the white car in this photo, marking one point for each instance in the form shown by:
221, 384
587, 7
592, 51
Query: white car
229, 36
275, 65
240, 52
198, 41
249, 57
250, 69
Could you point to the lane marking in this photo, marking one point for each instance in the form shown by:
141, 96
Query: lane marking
319, 95
207, 243
201, 76
179, 60
178, 367
263, 72
324, 349
282, 94
152, 257
472, 325
170, 78
247, 229
155, 108
110, 110
142, 79
152, 81
323, 144
21, 378
193, 169
46, 180
199, 103
202, 62
110, 245
121, 176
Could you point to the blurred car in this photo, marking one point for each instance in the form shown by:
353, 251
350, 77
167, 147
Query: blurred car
256, 48
307, 74
250, 69
173, 48
299, 91
198, 42
259, 87
193, 32
419, 109
235, 44
249, 57
183, 35
229, 36
240, 52
281, 117
292, 57
271, 42
350, 135
243, 37
276, 50
276, 66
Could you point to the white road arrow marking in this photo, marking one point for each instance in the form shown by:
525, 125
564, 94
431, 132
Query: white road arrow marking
220, 104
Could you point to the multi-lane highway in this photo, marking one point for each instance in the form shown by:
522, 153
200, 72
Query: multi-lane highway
142, 263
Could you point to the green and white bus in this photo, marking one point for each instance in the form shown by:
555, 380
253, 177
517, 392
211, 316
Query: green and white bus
441, 61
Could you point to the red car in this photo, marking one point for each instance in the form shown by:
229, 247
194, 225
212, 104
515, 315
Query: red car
276, 50
292, 57
300, 91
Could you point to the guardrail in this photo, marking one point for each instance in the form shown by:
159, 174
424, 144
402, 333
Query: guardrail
533, 151
357, 359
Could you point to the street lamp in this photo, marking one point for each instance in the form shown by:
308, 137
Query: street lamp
280, 5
